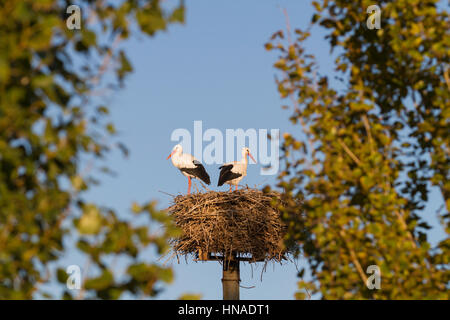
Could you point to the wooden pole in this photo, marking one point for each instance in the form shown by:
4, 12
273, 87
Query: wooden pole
230, 279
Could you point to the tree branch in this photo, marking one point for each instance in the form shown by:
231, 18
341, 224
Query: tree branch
349, 152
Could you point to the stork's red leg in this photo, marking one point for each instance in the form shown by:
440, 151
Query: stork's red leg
236, 187
230, 187
189, 185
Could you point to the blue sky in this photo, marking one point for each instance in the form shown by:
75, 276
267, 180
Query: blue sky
214, 68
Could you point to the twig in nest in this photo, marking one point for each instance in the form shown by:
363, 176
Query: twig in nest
166, 193
251, 287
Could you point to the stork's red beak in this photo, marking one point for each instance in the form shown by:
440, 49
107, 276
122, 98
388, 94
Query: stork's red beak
252, 157
170, 155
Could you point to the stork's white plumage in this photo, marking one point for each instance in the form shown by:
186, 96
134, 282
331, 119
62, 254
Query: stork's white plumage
233, 172
188, 165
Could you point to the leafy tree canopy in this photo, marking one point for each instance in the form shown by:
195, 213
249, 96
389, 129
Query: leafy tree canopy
50, 119
372, 147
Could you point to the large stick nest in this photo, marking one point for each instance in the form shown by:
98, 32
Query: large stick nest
243, 223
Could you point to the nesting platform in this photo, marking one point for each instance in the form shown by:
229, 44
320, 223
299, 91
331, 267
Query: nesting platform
242, 225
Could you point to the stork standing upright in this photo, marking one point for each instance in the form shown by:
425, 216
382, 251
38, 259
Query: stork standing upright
188, 165
233, 172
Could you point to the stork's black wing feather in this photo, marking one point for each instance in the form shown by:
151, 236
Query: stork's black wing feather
198, 172
226, 174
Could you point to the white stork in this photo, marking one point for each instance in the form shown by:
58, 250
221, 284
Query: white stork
188, 165
233, 172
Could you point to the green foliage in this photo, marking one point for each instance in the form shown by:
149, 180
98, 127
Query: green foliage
188, 296
48, 121
371, 149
